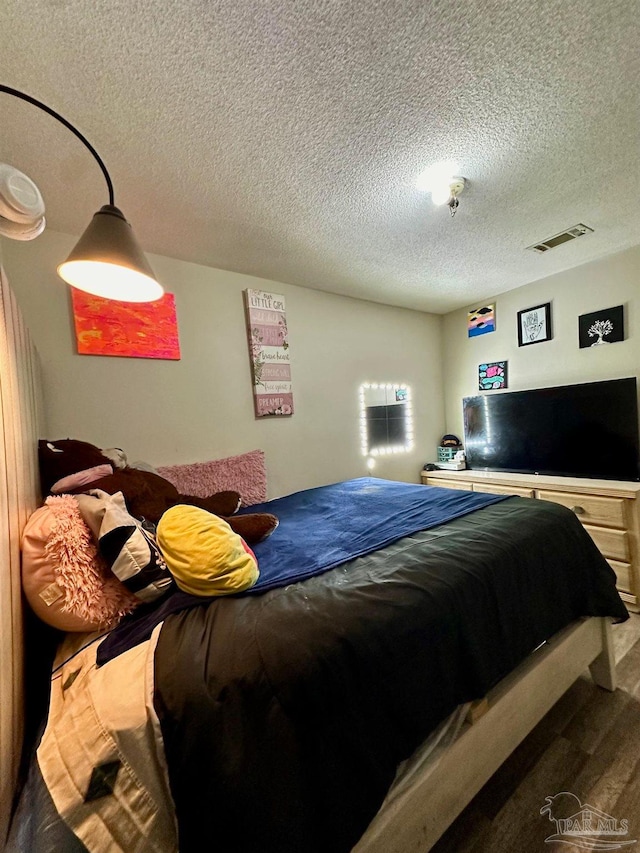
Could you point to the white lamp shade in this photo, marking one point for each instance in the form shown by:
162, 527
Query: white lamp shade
107, 261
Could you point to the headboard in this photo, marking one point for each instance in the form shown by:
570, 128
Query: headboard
20, 408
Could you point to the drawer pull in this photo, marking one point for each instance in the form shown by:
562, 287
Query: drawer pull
579, 510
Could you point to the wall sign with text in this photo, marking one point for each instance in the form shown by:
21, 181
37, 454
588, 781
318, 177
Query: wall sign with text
269, 353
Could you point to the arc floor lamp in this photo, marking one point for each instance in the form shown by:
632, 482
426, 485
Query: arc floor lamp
107, 260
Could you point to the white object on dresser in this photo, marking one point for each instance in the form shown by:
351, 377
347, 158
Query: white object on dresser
608, 509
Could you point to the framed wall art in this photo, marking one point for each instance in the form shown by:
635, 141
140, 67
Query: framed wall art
131, 329
601, 327
269, 353
492, 375
534, 325
481, 321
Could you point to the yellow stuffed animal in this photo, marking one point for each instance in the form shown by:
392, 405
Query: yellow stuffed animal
204, 555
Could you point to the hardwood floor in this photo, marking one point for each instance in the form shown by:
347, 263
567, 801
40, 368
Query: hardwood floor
588, 744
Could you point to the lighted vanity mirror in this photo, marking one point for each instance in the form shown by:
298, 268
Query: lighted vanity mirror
386, 418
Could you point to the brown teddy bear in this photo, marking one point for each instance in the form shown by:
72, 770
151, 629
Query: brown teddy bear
70, 466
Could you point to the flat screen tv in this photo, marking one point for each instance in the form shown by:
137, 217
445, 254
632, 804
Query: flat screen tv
586, 430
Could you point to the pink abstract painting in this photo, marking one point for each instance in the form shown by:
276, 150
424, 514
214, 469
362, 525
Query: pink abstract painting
130, 329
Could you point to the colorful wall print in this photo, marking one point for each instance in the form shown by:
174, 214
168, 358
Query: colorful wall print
481, 321
601, 327
492, 375
269, 353
131, 329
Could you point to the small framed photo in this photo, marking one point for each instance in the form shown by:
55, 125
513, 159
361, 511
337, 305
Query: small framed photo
534, 325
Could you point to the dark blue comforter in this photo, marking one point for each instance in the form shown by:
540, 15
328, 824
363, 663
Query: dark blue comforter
325, 527
319, 529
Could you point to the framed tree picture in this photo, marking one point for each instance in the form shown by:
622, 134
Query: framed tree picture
534, 325
601, 327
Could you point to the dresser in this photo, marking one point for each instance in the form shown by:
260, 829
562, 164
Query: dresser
608, 509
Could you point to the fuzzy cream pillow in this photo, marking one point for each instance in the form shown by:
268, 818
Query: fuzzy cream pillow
66, 582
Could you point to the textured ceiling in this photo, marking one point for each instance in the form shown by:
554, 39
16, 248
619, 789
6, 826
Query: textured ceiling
282, 138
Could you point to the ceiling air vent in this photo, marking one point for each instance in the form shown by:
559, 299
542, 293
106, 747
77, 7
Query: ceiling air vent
558, 239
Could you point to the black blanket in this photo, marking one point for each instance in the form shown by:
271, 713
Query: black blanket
285, 715
319, 529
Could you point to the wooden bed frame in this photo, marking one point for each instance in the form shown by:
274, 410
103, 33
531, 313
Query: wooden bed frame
414, 822
409, 824
20, 407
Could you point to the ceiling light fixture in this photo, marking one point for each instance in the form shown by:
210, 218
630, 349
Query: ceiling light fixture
448, 194
107, 260
444, 184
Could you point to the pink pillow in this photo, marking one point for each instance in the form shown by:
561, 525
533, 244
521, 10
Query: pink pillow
65, 581
245, 474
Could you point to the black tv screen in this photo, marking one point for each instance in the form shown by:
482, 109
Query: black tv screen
586, 430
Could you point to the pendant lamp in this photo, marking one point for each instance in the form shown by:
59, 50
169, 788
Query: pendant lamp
107, 261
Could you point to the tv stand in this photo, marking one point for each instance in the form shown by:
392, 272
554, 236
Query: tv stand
608, 509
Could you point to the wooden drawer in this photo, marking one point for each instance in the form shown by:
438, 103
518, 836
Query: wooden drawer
624, 577
591, 509
489, 488
461, 485
613, 544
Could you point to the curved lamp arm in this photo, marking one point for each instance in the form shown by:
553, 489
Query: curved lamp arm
24, 97
107, 260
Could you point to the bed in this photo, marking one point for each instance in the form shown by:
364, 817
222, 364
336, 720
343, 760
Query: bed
276, 720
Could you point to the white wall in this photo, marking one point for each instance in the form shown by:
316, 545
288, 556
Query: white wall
201, 407
614, 280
